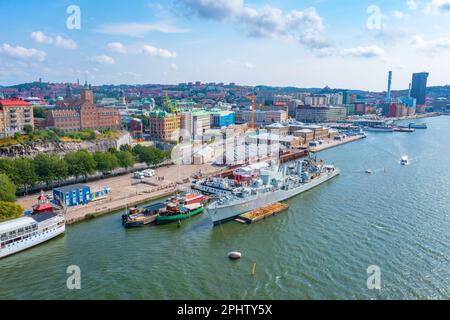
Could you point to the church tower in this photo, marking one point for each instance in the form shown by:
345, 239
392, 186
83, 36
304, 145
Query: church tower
87, 94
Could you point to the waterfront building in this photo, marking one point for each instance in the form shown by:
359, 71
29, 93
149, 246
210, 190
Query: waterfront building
72, 115
136, 127
221, 119
281, 129
306, 135
15, 114
71, 196
419, 87
317, 100
336, 99
164, 127
262, 117
292, 107
311, 114
201, 122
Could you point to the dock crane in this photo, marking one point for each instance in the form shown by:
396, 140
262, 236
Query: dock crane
252, 116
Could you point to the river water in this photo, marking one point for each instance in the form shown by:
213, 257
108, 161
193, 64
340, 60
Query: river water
396, 219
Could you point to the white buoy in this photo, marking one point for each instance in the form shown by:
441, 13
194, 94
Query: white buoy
234, 255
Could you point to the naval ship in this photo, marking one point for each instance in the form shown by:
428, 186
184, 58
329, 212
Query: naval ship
275, 184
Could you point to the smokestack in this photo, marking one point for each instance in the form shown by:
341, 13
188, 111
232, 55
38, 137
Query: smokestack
389, 86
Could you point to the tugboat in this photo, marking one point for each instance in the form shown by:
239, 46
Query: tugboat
180, 208
138, 218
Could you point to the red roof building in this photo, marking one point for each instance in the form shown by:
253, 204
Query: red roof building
15, 114
82, 114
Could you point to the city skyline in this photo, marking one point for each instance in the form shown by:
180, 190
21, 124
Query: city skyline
309, 44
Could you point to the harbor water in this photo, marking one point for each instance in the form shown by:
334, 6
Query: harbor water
396, 218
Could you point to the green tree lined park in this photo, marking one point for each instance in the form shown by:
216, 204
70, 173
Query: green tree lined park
25, 173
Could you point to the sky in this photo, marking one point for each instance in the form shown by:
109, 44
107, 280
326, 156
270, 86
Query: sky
303, 43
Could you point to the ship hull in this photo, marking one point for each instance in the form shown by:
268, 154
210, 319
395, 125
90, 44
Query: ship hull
32, 241
225, 213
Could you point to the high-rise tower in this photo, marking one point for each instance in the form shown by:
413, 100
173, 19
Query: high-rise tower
419, 87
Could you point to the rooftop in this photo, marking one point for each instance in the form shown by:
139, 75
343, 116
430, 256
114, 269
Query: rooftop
71, 188
13, 102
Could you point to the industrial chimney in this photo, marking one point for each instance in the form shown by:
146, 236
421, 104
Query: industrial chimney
389, 86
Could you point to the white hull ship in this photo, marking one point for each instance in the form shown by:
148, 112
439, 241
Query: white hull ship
25, 232
272, 187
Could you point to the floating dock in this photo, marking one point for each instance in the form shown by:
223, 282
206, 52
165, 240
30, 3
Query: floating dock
262, 213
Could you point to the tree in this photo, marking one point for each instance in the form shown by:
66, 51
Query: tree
106, 162
80, 163
6, 166
7, 189
39, 112
125, 158
9, 210
24, 175
125, 147
28, 129
50, 168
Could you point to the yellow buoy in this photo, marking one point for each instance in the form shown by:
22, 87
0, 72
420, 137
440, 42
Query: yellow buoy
254, 269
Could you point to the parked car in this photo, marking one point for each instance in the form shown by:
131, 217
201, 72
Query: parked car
138, 175
148, 173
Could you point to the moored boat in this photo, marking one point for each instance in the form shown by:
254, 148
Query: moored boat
28, 231
140, 217
179, 212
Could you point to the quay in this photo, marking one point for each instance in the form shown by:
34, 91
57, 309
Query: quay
127, 193
334, 143
262, 213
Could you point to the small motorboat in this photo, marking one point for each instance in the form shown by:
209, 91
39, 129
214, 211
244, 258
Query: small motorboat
404, 161
369, 171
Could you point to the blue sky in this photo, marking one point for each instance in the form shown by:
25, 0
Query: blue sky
345, 44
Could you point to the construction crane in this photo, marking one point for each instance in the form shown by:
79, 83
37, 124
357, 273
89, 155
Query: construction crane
252, 116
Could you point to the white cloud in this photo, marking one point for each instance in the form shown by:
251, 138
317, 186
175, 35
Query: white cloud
22, 53
249, 65
431, 45
133, 29
398, 14
438, 7
364, 52
40, 37
103, 59
412, 4
216, 9
58, 41
305, 26
157, 52
174, 67
117, 47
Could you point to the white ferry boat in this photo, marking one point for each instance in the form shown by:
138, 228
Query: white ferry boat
27, 231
